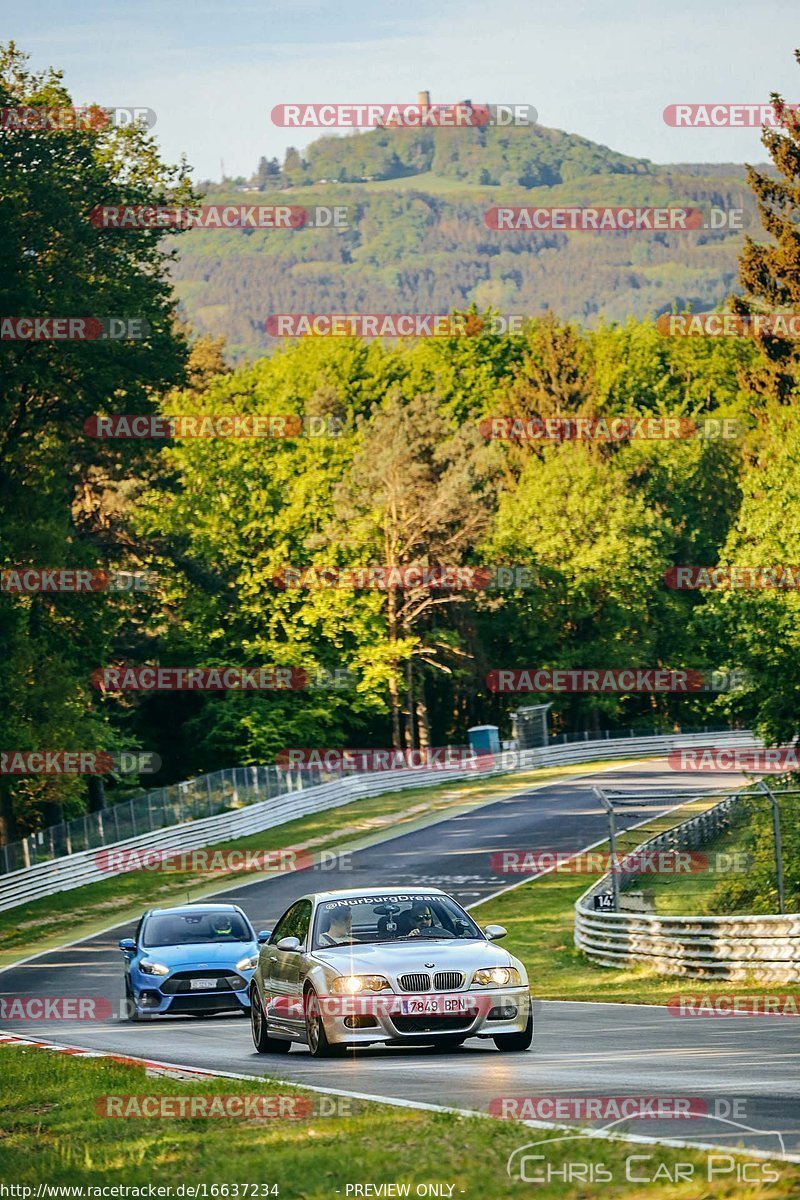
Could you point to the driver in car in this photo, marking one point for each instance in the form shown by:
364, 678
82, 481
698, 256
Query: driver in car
339, 928
421, 920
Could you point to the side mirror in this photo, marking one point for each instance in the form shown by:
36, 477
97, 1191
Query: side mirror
289, 943
495, 932
127, 945
263, 935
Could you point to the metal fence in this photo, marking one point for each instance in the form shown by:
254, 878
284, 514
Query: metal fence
205, 796
252, 799
585, 735
766, 948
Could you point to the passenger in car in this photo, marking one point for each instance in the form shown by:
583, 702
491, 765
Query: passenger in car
339, 928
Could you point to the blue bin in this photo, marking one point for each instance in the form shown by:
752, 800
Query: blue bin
484, 739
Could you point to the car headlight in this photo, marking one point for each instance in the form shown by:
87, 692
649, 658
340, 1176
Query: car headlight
353, 985
248, 963
148, 967
496, 977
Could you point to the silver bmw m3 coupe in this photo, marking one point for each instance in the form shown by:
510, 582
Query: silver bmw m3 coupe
400, 966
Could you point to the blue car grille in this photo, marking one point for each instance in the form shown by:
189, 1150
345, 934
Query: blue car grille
181, 982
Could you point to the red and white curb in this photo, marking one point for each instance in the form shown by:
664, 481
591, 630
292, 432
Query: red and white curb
153, 1067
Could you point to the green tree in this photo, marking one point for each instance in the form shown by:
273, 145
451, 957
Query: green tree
758, 630
54, 476
225, 518
768, 271
418, 492
598, 551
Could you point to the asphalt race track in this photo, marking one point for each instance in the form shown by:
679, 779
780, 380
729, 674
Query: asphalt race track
746, 1069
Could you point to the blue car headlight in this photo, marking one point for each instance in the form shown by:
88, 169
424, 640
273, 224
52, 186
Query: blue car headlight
248, 963
148, 967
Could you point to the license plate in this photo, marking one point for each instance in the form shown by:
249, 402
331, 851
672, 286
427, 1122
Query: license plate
439, 1004
202, 985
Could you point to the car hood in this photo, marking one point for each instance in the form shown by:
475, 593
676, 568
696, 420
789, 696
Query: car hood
404, 957
212, 954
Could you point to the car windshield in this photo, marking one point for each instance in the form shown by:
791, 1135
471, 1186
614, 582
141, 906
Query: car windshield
183, 929
393, 917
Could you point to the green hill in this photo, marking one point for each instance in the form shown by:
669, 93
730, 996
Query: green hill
417, 240
526, 157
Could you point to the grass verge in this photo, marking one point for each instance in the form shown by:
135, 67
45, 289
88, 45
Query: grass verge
675, 895
52, 1133
539, 916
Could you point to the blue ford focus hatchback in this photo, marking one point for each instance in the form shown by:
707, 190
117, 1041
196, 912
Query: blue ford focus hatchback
196, 958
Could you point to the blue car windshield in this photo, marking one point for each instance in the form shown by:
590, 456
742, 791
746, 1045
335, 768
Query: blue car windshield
185, 929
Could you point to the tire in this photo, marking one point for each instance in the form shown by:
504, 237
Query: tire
316, 1037
516, 1041
263, 1043
131, 1011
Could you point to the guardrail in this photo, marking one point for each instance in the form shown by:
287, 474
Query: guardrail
765, 947
203, 796
307, 796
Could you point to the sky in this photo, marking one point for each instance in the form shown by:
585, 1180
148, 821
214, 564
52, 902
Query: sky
212, 71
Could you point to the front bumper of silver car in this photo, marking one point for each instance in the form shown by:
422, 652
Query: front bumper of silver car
393, 1017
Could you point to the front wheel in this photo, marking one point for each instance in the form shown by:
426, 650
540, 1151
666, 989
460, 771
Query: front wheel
263, 1043
316, 1036
516, 1041
131, 1011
